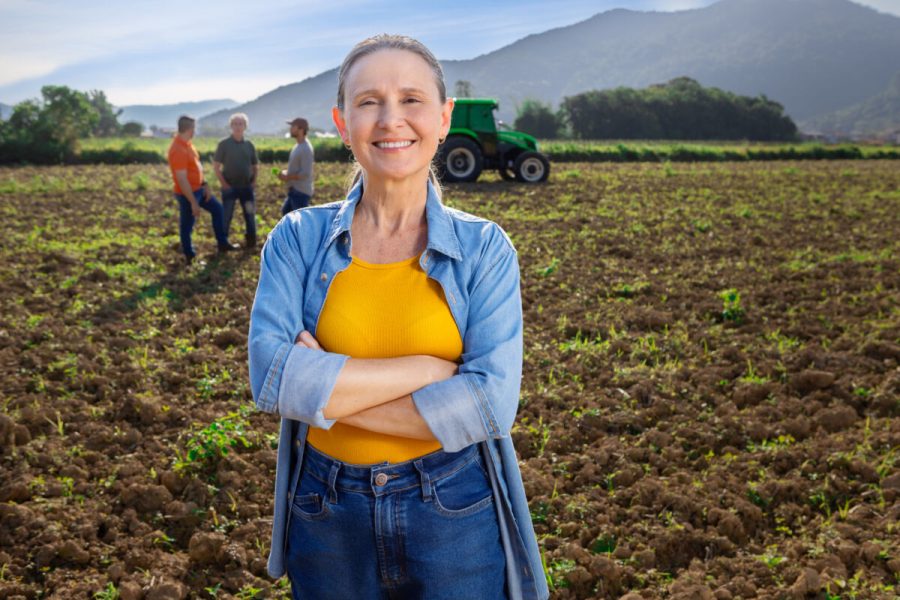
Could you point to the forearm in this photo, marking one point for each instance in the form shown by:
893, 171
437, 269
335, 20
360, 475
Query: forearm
185, 187
217, 167
364, 383
398, 417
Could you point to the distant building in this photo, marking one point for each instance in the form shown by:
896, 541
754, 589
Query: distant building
162, 132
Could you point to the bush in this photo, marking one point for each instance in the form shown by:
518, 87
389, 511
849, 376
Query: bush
681, 109
47, 131
537, 119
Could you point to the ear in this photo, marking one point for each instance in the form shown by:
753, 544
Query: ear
447, 116
338, 117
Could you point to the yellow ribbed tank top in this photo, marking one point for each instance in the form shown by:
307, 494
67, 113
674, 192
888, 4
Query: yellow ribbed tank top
383, 311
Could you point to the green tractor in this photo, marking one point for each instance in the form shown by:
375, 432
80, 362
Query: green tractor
474, 144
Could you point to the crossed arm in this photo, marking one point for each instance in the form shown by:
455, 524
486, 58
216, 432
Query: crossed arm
460, 404
375, 394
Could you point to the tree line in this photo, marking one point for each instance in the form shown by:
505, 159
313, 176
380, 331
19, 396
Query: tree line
681, 109
47, 130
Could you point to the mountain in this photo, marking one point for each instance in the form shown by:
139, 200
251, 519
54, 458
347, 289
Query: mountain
311, 98
5, 111
877, 116
166, 115
813, 56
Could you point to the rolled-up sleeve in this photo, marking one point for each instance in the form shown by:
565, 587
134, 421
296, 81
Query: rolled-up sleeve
481, 401
286, 378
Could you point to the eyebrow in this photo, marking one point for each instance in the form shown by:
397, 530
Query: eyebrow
375, 92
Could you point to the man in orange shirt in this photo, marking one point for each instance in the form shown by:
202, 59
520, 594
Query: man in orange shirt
191, 190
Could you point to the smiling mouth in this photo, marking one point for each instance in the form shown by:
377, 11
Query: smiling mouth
394, 145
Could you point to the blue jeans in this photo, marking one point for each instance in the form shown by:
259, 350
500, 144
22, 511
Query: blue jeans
247, 197
425, 529
294, 200
186, 221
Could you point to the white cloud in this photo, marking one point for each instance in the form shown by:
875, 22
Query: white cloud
886, 6
673, 5
42, 36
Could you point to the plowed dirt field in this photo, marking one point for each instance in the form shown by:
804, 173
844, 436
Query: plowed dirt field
709, 407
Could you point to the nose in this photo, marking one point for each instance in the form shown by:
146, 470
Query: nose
390, 115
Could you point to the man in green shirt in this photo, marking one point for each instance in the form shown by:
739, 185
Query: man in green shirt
236, 165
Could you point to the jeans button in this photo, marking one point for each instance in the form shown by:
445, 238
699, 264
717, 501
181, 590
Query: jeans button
381, 479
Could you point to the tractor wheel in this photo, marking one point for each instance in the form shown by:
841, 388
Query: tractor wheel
532, 167
461, 159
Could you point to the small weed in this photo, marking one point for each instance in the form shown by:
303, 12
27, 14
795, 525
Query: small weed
731, 306
110, 592
214, 441
771, 559
549, 269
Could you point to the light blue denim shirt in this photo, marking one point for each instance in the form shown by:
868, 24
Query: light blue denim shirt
477, 267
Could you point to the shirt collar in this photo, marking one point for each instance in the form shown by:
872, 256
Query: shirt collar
441, 234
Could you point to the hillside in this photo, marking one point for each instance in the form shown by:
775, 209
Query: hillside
813, 56
879, 115
166, 115
311, 98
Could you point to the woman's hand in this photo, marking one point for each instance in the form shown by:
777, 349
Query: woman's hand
438, 368
306, 339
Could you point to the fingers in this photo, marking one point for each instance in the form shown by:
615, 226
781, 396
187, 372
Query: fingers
306, 339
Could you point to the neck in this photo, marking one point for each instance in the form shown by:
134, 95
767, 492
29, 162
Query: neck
237, 138
392, 206
300, 138
186, 137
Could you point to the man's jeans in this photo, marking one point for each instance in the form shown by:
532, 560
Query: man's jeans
294, 201
425, 529
186, 222
247, 197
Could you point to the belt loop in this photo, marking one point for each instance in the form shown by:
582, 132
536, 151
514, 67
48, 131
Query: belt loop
332, 481
426, 480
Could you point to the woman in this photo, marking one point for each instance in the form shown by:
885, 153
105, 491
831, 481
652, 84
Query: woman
387, 333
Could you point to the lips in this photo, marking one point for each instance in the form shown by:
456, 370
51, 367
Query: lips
394, 144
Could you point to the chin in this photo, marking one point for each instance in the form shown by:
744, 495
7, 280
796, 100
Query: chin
396, 173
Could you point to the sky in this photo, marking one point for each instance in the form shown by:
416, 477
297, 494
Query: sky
164, 52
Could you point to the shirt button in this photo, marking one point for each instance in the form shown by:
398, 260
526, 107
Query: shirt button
381, 479
324, 276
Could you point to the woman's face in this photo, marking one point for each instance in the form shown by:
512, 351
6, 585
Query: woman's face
393, 116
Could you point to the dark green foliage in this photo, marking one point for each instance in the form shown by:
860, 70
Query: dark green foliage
127, 154
537, 119
132, 129
681, 109
47, 131
587, 152
107, 116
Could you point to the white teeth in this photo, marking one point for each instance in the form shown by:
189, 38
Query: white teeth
403, 144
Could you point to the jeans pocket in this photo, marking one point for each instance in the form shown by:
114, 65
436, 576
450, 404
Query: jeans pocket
464, 492
309, 499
